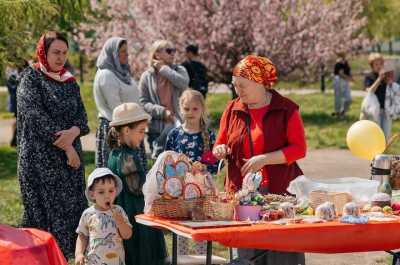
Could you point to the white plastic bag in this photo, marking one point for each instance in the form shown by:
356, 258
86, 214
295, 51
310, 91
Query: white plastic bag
360, 189
150, 187
370, 107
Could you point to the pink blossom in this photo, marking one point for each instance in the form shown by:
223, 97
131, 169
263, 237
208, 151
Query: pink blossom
295, 34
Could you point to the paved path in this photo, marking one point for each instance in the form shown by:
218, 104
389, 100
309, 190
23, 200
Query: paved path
318, 164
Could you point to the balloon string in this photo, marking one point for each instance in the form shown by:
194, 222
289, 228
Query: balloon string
391, 141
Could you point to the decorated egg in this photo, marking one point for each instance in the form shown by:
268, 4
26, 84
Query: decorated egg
181, 168
183, 157
169, 160
351, 208
173, 187
191, 191
170, 171
288, 209
160, 182
326, 211
209, 185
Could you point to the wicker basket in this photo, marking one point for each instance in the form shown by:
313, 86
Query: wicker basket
216, 210
339, 199
395, 174
175, 208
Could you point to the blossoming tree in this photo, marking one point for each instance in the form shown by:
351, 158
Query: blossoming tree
298, 35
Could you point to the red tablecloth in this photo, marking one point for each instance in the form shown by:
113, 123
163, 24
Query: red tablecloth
330, 237
28, 247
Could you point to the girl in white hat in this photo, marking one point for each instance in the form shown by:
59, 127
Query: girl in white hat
128, 127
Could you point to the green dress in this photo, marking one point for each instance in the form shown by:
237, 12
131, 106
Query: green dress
147, 245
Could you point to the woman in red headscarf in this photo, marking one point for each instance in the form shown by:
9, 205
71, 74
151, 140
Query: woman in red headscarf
50, 120
261, 131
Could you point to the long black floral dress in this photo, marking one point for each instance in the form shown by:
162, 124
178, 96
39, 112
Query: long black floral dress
52, 192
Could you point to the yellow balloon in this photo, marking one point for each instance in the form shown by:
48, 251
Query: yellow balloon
365, 139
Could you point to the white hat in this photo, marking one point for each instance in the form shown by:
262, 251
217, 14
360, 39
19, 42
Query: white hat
388, 67
127, 113
98, 173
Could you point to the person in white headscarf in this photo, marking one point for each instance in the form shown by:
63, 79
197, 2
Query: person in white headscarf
113, 85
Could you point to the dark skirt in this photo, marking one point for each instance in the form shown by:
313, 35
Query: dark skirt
147, 244
102, 149
52, 194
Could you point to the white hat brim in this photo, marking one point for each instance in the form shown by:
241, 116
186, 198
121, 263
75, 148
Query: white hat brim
98, 173
137, 118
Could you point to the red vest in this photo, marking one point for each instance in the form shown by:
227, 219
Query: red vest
275, 133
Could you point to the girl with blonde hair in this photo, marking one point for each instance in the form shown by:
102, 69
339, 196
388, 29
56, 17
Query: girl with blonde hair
194, 139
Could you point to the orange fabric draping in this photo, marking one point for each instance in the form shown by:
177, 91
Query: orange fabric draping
28, 246
330, 237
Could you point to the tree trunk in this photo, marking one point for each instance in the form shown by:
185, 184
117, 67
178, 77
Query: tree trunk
322, 78
81, 65
390, 47
378, 47
232, 88
228, 80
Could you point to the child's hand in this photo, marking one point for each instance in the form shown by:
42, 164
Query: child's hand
124, 229
80, 259
119, 219
73, 157
169, 116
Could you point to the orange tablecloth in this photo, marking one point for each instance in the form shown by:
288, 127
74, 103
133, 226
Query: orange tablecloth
330, 237
28, 247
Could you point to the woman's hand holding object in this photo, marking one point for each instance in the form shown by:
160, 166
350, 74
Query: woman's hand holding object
220, 151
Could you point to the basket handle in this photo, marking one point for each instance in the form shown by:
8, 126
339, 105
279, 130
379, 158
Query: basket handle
220, 165
391, 141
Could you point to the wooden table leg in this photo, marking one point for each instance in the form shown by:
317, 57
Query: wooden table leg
174, 249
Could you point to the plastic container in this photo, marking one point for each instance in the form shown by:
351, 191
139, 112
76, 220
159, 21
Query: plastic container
247, 212
360, 189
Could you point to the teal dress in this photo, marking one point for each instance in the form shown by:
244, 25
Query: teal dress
147, 245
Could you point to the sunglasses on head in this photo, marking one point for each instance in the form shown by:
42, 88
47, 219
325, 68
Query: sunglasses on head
170, 50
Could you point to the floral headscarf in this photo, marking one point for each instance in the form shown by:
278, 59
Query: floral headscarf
256, 68
43, 65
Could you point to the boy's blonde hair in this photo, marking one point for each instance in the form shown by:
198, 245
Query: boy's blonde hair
156, 46
190, 94
373, 57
